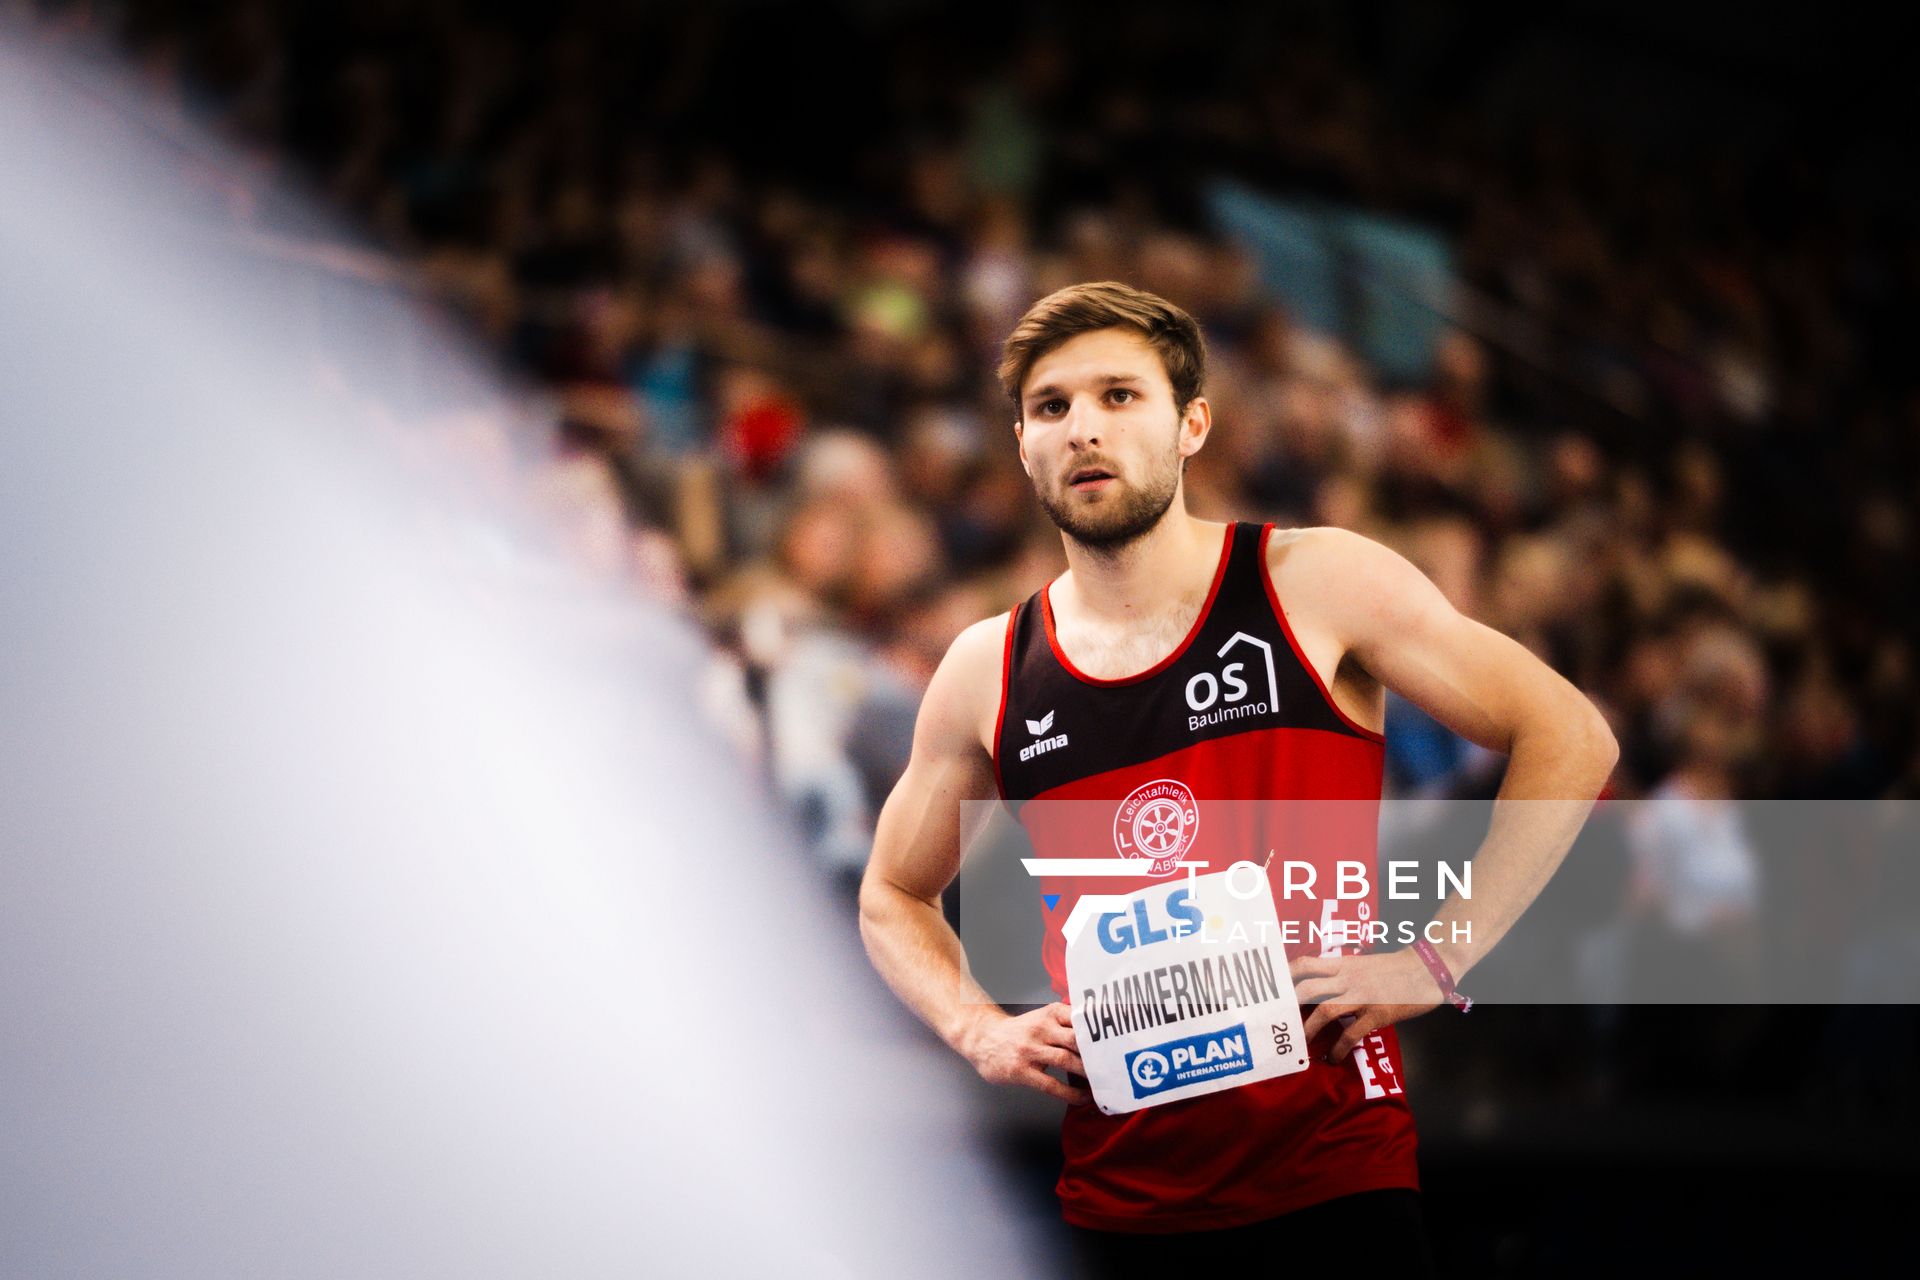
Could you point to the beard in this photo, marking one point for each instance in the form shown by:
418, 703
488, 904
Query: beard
1121, 514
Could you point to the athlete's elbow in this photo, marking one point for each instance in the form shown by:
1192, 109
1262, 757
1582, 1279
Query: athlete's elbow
872, 900
1589, 743
1606, 745
879, 901
1573, 733
872, 916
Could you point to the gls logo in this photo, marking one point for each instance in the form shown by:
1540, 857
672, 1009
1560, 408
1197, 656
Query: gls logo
1226, 697
1117, 934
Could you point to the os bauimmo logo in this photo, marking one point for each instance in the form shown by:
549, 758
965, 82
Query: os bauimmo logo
1232, 693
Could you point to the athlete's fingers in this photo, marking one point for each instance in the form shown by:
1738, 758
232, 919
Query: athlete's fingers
1042, 1048
1313, 967
1314, 990
1047, 1051
1066, 1037
1060, 1089
1065, 1059
1062, 1012
1369, 1021
1315, 1020
1324, 1013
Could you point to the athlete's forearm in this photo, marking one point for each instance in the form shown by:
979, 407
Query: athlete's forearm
920, 956
1554, 773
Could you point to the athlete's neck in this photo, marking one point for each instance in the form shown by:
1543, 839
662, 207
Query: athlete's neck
1171, 563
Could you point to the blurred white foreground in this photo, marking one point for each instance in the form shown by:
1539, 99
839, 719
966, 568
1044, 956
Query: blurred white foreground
373, 901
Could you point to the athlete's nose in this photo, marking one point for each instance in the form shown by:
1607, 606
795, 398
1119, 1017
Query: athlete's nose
1083, 424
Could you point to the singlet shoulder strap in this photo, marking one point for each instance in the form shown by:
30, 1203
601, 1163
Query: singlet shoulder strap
1024, 662
1258, 556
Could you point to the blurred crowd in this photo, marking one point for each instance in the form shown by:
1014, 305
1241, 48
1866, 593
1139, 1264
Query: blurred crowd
763, 257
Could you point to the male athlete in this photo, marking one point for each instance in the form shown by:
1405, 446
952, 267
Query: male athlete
1119, 661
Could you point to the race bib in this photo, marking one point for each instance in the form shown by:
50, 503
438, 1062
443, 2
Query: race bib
1182, 989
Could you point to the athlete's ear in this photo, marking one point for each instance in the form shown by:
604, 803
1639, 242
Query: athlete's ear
1195, 423
1020, 436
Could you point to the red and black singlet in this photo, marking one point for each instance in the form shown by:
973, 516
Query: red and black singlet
1235, 712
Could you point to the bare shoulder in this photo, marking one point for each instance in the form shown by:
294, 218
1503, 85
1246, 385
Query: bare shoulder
963, 698
1320, 551
980, 649
1349, 583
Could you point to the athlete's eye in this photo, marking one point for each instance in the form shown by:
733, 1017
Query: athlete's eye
1122, 391
1048, 407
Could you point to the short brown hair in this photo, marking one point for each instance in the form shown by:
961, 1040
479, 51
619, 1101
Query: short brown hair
1082, 308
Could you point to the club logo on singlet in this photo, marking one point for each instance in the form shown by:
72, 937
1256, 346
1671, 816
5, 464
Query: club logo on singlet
1158, 820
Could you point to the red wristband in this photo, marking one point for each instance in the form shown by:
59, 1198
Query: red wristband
1441, 974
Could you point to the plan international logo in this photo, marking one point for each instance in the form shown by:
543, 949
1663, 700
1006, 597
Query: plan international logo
1036, 728
1186, 1061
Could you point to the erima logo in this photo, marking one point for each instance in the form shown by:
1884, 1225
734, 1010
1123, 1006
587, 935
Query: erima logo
1036, 728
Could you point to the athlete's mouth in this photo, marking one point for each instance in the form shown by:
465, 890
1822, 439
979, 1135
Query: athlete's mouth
1089, 477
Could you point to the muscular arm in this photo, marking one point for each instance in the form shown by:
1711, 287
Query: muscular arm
917, 848
1484, 686
917, 844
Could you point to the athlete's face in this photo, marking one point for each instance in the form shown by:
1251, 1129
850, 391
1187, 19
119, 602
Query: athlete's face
1101, 437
